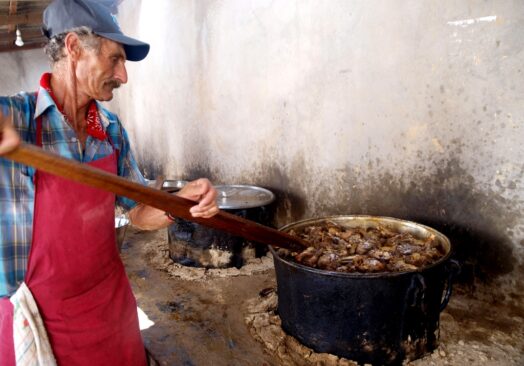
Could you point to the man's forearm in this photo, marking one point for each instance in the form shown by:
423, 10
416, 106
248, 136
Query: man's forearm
148, 218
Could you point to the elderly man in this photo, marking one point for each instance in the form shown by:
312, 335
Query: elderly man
57, 236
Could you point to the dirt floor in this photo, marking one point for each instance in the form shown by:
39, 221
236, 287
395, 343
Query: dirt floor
227, 317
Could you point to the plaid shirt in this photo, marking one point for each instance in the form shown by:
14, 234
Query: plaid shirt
17, 189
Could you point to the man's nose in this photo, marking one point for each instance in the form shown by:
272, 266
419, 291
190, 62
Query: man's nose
121, 73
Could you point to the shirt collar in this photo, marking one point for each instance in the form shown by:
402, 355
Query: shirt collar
44, 101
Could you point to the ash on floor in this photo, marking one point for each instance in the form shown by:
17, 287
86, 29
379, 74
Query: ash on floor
157, 253
210, 317
477, 345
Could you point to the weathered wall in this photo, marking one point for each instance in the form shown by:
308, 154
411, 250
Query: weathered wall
412, 109
21, 70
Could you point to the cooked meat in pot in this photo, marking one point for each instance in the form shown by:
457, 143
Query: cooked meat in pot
365, 250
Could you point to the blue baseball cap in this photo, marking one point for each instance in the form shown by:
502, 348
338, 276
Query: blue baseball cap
63, 15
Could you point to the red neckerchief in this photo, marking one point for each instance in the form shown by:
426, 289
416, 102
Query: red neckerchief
94, 126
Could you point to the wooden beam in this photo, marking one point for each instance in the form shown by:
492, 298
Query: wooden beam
13, 48
29, 18
12, 11
27, 35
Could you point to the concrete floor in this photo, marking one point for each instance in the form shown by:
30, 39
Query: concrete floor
196, 322
201, 321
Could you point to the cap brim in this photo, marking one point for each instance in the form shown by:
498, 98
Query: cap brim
135, 50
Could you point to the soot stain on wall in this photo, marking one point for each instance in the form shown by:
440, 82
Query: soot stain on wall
477, 222
290, 203
150, 168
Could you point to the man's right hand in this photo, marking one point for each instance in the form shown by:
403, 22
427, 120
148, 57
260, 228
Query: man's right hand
9, 138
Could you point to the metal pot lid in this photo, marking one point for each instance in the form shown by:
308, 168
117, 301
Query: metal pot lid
241, 196
173, 184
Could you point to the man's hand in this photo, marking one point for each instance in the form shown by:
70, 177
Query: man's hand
201, 191
9, 138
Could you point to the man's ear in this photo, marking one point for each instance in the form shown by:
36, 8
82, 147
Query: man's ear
72, 46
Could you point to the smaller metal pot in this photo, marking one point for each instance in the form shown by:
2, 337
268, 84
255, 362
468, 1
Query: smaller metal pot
195, 245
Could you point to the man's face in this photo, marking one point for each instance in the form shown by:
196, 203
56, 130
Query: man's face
98, 73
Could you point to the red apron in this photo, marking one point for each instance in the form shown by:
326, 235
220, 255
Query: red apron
7, 351
77, 277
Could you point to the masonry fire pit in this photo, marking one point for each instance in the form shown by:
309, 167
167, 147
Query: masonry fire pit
379, 318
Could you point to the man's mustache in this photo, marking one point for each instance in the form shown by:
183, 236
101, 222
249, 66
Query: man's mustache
115, 84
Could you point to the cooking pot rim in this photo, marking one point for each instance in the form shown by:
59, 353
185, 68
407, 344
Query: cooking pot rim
402, 222
263, 198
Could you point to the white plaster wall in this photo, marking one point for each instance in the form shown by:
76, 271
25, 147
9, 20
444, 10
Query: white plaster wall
407, 108
21, 70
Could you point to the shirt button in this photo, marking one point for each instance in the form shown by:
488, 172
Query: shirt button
73, 139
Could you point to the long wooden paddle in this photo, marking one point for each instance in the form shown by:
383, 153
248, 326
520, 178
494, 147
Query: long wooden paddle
177, 206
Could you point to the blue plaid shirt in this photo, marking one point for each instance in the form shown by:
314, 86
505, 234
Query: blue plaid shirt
16, 180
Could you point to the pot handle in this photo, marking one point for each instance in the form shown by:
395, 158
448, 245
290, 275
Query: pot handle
453, 269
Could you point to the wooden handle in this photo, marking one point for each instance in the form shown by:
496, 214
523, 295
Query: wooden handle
176, 206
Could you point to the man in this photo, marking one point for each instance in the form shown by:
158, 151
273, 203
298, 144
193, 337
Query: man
57, 236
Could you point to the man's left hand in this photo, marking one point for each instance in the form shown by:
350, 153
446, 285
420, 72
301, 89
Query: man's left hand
201, 191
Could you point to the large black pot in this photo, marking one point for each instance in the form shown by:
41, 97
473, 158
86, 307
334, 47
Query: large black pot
195, 245
378, 318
